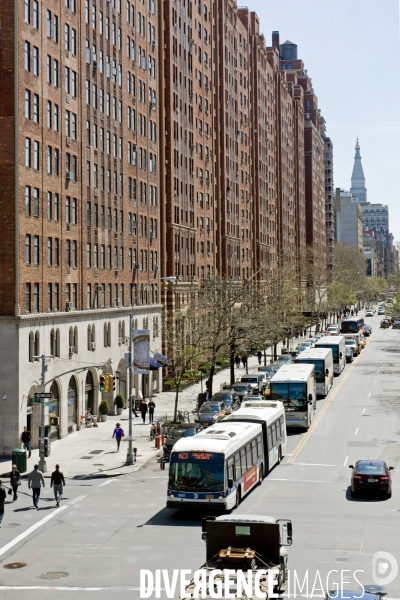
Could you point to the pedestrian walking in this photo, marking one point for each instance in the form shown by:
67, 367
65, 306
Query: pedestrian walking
118, 434
356, 311
151, 406
3, 496
35, 481
305, 333
26, 440
15, 481
259, 356
57, 482
244, 361
237, 361
208, 395
143, 410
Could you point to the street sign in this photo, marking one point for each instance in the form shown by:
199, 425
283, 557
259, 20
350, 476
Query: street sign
35, 400
43, 395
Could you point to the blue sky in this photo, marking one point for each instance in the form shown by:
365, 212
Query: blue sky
351, 49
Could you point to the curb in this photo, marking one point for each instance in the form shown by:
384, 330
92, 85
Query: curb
97, 475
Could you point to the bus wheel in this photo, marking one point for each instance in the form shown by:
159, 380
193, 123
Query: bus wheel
260, 474
238, 498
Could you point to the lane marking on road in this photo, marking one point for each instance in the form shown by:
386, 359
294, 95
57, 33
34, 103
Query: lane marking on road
23, 535
315, 465
300, 481
345, 461
356, 431
106, 482
71, 589
307, 436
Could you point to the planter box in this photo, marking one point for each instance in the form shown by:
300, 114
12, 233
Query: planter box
119, 411
103, 418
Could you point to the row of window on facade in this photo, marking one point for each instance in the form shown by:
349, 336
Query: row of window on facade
97, 255
55, 339
374, 223
97, 296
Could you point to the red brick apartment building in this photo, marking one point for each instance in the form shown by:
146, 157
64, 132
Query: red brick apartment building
79, 196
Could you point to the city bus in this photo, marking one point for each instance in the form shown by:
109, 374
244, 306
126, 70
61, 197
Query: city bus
337, 344
322, 359
295, 386
352, 325
219, 466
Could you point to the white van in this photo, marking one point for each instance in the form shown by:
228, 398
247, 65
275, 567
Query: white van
294, 385
322, 359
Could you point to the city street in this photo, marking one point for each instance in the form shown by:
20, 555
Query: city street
107, 530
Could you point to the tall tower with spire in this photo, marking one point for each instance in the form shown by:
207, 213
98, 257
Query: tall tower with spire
358, 189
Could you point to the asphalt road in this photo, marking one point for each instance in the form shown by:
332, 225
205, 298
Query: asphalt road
107, 530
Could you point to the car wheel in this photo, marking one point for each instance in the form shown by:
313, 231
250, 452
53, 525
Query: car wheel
389, 494
354, 494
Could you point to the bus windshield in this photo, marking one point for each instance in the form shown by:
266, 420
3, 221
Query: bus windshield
293, 395
335, 351
352, 325
319, 371
196, 472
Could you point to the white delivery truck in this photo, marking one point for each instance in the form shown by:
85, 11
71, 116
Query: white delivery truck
337, 344
294, 386
322, 359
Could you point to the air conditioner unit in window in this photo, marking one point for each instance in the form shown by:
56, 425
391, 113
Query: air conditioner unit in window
68, 175
136, 266
95, 64
68, 227
152, 236
156, 268
133, 31
71, 350
67, 98
96, 272
93, 345
96, 192
201, 180
68, 141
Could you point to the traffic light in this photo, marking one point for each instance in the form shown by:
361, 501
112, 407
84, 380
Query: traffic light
107, 382
112, 383
102, 383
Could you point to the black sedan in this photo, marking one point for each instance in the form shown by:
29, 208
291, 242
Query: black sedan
371, 475
178, 432
349, 354
396, 324
229, 398
367, 330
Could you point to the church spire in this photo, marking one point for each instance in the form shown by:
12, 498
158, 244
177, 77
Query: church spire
358, 188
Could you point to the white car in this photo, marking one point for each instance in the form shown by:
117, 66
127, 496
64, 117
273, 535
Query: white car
369, 313
333, 329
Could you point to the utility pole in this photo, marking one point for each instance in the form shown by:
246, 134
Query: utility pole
130, 459
41, 387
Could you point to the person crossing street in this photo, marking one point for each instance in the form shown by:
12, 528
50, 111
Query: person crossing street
26, 440
151, 406
57, 482
3, 496
35, 481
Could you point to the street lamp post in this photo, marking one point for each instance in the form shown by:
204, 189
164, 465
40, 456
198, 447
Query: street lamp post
130, 458
42, 461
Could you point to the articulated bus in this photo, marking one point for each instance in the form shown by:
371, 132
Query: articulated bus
352, 325
219, 466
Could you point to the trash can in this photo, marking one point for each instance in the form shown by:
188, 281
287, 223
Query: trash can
19, 459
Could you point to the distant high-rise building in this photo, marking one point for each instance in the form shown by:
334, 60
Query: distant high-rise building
358, 189
349, 219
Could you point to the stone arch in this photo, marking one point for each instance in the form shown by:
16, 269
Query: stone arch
73, 403
55, 409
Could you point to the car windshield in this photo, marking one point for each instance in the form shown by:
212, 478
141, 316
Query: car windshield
209, 408
350, 343
239, 388
196, 472
371, 469
250, 379
222, 397
293, 395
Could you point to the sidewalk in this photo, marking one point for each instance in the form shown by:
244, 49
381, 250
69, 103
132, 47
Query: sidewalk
91, 452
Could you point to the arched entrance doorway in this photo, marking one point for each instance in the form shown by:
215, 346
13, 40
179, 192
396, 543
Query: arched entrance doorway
54, 410
72, 404
89, 392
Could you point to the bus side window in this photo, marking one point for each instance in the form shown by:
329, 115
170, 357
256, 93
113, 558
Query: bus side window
269, 438
243, 460
278, 431
254, 451
231, 469
249, 459
273, 427
259, 446
238, 470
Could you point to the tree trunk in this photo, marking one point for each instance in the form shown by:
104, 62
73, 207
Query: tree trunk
210, 379
247, 365
275, 350
265, 357
232, 363
176, 399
